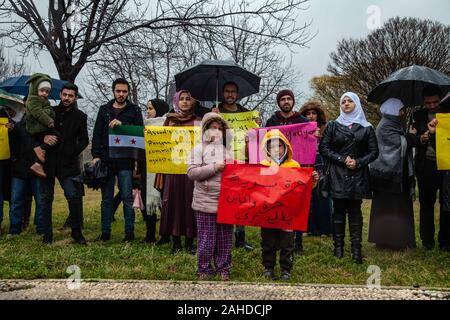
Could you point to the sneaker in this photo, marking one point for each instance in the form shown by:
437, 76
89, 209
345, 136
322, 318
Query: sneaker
269, 274
225, 277
285, 276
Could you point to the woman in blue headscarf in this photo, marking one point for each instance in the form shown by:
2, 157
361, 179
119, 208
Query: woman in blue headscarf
348, 145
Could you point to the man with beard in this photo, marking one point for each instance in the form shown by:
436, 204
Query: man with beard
115, 113
62, 162
230, 105
287, 116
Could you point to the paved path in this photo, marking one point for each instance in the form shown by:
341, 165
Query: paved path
127, 289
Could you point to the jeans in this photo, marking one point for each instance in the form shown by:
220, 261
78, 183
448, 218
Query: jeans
125, 182
17, 207
1, 193
73, 194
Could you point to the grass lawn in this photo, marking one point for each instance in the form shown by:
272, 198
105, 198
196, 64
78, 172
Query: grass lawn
25, 257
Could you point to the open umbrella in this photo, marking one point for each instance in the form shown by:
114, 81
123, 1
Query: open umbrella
18, 85
407, 84
14, 102
206, 79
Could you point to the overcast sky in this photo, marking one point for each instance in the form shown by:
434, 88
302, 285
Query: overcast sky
332, 20
338, 19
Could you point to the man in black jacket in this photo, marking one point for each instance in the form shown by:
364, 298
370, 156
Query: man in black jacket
62, 162
115, 113
21, 146
429, 179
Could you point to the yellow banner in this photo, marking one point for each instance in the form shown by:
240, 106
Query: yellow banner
240, 123
443, 141
4, 143
168, 148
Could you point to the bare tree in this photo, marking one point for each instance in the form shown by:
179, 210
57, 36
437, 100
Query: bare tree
399, 43
9, 68
358, 65
74, 31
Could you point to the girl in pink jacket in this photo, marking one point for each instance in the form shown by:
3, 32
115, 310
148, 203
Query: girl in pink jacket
207, 162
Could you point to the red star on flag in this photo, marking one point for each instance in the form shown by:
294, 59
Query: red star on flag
117, 140
133, 141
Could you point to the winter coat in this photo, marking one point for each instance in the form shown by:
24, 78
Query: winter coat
40, 114
420, 123
129, 115
278, 120
202, 167
63, 159
268, 161
360, 143
21, 145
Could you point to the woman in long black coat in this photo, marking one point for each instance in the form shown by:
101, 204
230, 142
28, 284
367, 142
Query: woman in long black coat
392, 176
349, 144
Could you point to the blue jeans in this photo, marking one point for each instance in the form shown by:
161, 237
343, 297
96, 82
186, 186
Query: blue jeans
1, 192
125, 182
73, 193
18, 190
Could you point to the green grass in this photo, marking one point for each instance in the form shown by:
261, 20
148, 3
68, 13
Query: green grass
25, 257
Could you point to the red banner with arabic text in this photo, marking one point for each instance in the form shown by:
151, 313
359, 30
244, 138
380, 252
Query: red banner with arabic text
269, 197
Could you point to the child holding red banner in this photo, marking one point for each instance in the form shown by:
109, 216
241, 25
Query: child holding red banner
207, 162
278, 152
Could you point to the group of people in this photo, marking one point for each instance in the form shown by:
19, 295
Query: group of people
356, 161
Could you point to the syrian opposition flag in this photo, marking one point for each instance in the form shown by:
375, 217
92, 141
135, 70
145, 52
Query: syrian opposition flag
127, 141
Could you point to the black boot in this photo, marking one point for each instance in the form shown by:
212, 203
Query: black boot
176, 245
298, 244
129, 236
240, 241
150, 222
189, 246
339, 235
355, 224
78, 237
163, 240
48, 238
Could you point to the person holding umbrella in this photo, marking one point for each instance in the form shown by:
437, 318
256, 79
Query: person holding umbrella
429, 179
230, 105
392, 177
349, 144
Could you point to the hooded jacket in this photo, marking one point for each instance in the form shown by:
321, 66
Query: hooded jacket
40, 114
202, 167
268, 161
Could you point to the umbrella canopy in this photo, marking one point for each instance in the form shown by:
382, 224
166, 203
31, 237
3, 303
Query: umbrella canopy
407, 84
14, 102
18, 85
205, 80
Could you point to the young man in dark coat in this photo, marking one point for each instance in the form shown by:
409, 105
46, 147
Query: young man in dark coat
115, 113
62, 162
430, 180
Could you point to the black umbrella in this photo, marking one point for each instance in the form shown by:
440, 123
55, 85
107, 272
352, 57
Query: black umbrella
407, 84
206, 79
